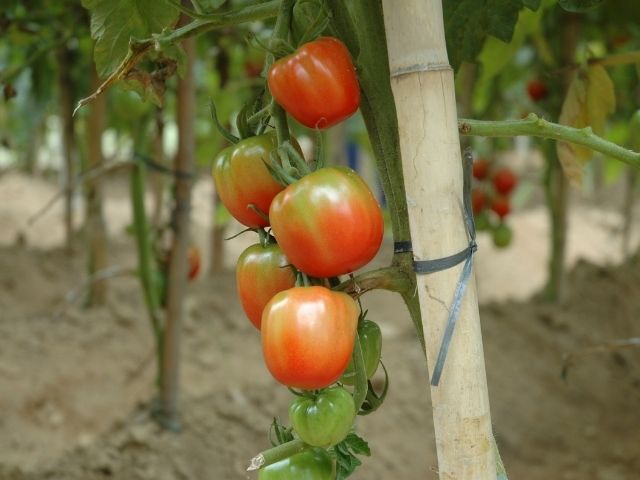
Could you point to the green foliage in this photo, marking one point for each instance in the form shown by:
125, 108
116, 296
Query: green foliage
589, 101
345, 454
115, 22
579, 5
468, 23
498, 55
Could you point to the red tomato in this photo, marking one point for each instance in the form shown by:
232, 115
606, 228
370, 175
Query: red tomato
193, 257
537, 90
261, 272
478, 201
308, 335
242, 178
501, 206
317, 85
504, 181
328, 223
481, 168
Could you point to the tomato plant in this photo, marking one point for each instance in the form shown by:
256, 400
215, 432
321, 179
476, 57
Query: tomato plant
504, 181
501, 206
537, 90
371, 342
478, 200
308, 335
481, 168
314, 464
323, 419
502, 235
242, 179
261, 272
328, 223
317, 85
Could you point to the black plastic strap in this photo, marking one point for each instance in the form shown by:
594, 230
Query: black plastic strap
466, 256
402, 247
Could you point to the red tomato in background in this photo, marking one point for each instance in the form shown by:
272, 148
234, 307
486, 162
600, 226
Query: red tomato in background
501, 206
242, 178
317, 84
308, 335
478, 201
193, 258
328, 223
261, 272
504, 181
537, 90
481, 168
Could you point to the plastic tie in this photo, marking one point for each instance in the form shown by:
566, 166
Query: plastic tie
466, 256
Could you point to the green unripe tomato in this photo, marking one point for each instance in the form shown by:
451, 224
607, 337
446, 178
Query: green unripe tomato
502, 235
324, 419
371, 343
314, 464
482, 221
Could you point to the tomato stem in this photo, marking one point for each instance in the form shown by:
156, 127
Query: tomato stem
393, 278
280, 32
275, 454
299, 162
223, 131
535, 126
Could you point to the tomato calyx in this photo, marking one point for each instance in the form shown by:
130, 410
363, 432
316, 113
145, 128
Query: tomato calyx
282, 434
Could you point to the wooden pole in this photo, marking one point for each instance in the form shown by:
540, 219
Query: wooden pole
184, 162
423, 89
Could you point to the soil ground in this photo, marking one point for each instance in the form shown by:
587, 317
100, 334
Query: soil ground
75, 383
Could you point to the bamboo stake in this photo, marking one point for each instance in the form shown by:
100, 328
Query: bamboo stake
423, 88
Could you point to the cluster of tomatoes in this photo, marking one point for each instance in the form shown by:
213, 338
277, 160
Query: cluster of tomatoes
490, 199
313, 226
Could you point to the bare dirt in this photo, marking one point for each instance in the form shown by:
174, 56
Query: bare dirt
75, 383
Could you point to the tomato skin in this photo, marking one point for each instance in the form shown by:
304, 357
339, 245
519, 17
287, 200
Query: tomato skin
242, 178
324, 419
537, 90
504, 181
261, 272
478, 201
371, 344
481, 168
501, 206
314, 464
328, 223
502, 235
317, 84
308, 335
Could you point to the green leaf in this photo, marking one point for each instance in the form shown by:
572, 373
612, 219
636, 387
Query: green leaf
579, 5
468, 23
589, 101
497, 55
345, 454
115, 22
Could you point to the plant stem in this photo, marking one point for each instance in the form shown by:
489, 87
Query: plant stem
278, 453
145, 258
393, 278
280, 32
539, 127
